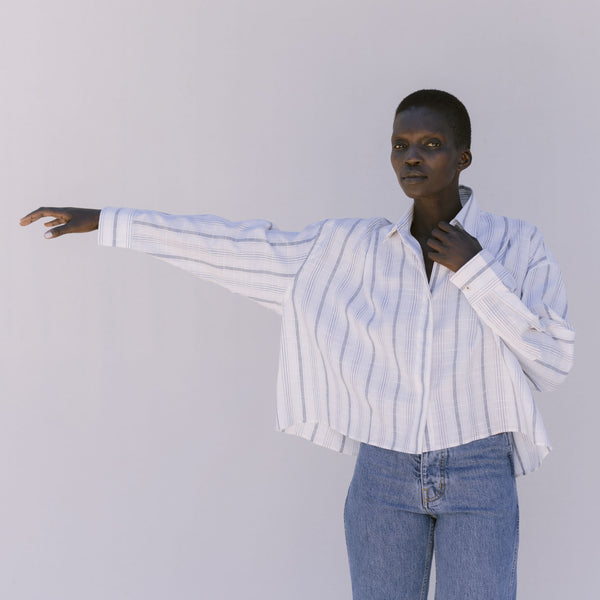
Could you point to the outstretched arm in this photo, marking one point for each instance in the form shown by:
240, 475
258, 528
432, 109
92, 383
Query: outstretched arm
66, 220
252, 258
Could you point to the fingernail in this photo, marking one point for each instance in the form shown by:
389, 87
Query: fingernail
48, 234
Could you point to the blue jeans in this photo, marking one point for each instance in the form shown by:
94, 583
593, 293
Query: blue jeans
461, 500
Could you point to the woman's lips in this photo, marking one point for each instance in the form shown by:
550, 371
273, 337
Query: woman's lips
414, 177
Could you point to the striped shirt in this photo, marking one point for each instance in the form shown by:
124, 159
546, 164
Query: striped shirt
373, 352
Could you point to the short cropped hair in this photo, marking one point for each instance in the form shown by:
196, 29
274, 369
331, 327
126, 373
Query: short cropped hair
450, 107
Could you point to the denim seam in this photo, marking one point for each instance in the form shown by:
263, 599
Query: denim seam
513, 572
427, 571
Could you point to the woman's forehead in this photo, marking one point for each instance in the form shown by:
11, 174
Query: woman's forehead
421, 119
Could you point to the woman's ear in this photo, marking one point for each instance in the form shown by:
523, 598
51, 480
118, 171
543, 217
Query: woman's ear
466, 158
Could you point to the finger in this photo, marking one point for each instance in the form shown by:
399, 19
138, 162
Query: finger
437, 257
40, 213
445, 226
57, 231
435, 244
55, 222
459, 227
438, 234
31, 217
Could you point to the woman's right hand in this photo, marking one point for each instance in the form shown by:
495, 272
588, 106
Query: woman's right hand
66, 220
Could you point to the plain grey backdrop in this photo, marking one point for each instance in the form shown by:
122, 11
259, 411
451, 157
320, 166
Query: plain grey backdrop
138, 458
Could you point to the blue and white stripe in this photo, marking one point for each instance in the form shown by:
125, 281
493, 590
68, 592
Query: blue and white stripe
372, 351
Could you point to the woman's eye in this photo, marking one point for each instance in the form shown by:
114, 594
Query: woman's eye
399, 146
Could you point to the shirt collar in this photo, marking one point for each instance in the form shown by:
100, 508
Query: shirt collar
467, 217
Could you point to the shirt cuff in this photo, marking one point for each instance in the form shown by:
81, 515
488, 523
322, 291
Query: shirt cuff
482, 274
114, 227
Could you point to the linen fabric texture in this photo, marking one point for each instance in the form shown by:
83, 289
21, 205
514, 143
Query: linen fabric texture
371, 351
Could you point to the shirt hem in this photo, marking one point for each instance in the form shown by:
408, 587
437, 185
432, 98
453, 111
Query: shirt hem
527, 456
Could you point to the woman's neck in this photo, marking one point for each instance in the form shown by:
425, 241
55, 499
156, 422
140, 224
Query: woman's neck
428, 212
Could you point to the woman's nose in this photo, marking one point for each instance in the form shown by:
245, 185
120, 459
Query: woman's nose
412, 156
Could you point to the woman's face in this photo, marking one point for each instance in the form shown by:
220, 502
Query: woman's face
424, 155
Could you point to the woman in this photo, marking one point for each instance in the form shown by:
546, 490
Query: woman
414, 344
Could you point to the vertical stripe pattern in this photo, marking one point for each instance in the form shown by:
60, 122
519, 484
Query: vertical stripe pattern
373, 352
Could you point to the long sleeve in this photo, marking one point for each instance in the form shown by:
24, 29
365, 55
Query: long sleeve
251, 258
531, 319
371, 352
